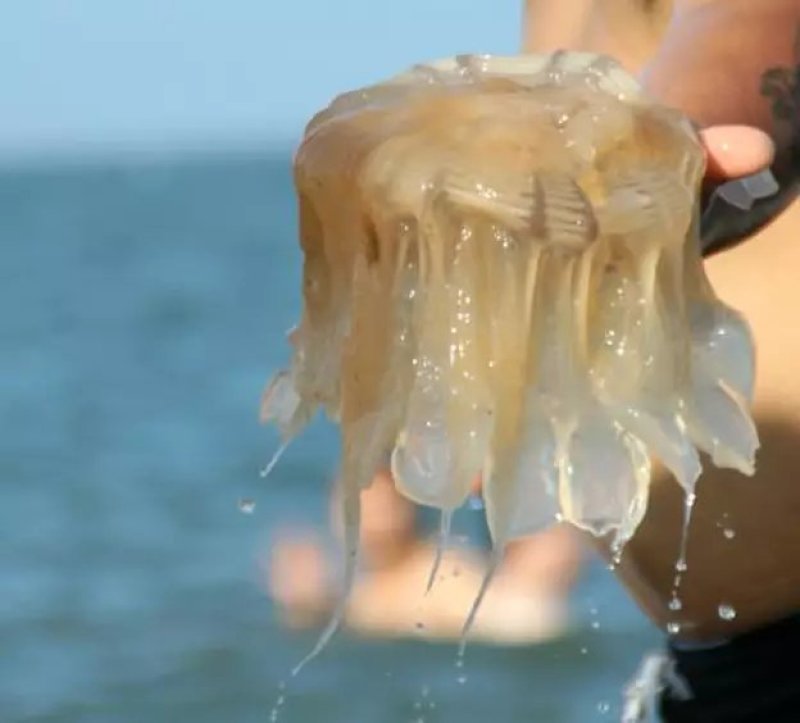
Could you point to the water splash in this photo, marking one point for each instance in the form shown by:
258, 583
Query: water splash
656, 673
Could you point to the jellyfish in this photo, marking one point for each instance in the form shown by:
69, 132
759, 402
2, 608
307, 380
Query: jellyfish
502, 280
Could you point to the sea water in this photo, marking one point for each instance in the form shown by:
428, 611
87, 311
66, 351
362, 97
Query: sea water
141, 303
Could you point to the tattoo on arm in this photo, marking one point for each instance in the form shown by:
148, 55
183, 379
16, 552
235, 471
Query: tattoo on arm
782, 87
722, 226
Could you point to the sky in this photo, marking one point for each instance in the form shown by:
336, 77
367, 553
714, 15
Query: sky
86, 74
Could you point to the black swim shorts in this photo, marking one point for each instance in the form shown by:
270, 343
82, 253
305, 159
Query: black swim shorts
753, 678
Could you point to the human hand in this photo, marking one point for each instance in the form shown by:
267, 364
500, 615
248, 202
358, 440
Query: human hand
710, 64
735, 151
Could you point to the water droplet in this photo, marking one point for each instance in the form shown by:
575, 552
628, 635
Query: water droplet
603, 707
726, 612
246, 505
729, 533
595, 625
681, 566
584, 651
673, 628
675, 604
279, 702
462, 679
616, 556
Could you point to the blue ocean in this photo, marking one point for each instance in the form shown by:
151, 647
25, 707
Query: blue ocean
144, 306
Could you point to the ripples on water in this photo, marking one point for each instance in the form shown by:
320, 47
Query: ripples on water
143, 307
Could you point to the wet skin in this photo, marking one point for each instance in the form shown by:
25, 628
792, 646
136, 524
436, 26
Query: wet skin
721, 62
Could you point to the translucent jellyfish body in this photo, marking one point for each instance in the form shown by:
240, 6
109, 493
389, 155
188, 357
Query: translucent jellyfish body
502, 280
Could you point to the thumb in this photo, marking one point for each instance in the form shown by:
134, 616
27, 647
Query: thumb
733, 151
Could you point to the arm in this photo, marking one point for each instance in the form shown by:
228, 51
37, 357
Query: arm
629, 30
733, 61
710, 58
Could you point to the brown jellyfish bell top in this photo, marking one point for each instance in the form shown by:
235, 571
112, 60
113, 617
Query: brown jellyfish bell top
496, 136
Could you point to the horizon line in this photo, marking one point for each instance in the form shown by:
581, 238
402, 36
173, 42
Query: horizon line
146, 150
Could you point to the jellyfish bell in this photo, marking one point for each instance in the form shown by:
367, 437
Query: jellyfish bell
502, 278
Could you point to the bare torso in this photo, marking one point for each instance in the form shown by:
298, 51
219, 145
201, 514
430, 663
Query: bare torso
744, 541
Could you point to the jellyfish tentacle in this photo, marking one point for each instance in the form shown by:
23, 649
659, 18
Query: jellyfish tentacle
282, 404
422, 452
351, 512
587, 438
521, 491
370, 414
325, 321
666, 436
510, 287
718, 423
443, 538
582, 303
491, 570
598, 443
723, 345
533, 480
370, 419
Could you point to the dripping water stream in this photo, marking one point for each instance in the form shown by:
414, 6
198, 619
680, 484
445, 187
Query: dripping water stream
675, 603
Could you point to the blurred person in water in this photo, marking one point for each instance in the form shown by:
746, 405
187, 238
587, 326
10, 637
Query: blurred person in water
526, 603
732, 66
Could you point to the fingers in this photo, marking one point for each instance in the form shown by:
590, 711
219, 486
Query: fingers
735, 151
